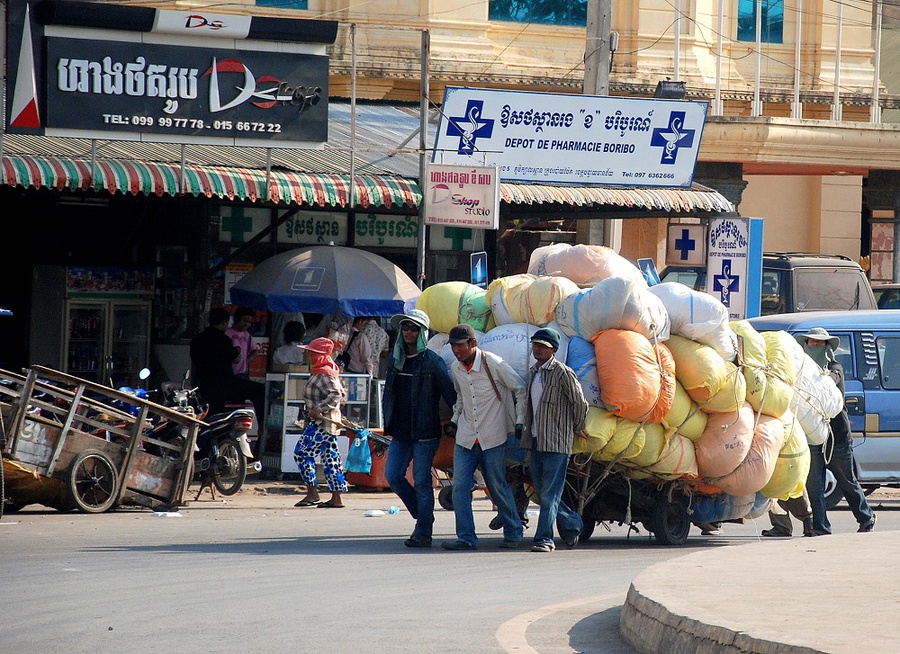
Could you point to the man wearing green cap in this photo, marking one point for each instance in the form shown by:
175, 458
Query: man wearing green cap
836, 454
556, 413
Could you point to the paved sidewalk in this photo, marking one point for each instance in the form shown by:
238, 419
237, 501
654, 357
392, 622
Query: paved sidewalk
838, 594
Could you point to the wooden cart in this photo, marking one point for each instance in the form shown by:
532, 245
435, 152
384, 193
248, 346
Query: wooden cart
73, 444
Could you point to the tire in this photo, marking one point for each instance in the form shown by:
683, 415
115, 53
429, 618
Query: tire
669, 521
445, 498
93, 482
587, 531
230, 469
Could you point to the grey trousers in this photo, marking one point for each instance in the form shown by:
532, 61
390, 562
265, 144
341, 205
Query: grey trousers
798, 507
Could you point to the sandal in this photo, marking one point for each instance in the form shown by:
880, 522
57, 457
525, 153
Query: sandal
327, 505
307, 503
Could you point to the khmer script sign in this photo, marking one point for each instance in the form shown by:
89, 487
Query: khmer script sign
565, 138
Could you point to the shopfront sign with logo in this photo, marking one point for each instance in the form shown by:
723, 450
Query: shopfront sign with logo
569, 138
462, 196
191, 78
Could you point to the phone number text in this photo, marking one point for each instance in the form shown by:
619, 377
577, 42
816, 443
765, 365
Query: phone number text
192, 123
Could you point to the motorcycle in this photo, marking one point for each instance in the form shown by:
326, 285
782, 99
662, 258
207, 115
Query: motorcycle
222, 454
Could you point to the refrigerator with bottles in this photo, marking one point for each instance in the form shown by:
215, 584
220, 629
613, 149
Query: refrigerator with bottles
93, 323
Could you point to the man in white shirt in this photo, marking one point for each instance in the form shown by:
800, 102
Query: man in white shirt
484, 415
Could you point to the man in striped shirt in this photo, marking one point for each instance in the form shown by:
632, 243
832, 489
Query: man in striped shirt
556, 413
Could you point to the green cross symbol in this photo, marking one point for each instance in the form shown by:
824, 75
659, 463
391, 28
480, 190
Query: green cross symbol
237, 224
458, 235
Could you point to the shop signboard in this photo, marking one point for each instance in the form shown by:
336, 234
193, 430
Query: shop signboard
568, 138
462, 196
734, 264
314, 228
375, 230
180, 77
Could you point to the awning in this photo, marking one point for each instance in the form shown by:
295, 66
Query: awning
326, 190
158, 178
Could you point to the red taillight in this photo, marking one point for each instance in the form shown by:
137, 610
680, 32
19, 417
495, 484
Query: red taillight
244, 423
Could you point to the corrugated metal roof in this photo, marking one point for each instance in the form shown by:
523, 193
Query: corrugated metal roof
386, 162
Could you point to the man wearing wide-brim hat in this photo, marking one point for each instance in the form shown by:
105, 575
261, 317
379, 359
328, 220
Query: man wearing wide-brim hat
416, 381
836, 453
556, 413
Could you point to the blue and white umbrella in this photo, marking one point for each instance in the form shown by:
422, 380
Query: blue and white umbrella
325, 279
5, 312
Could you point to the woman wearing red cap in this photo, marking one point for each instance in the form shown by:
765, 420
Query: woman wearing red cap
323, 395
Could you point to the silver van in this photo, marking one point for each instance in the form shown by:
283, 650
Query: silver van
869, 351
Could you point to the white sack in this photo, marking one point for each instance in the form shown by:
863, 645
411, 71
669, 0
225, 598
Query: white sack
817, 398
698, 316
614, 303
512, 343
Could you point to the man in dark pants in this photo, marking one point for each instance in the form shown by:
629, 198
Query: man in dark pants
212, 356
836, 454
416, 380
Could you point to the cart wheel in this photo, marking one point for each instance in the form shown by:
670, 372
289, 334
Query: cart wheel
230, 470
445, 498
93, 482
669, 521
587, 531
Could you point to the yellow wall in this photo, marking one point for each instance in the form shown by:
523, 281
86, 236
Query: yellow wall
806, 213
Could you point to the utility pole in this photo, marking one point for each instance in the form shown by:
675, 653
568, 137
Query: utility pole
596, 48
596, 82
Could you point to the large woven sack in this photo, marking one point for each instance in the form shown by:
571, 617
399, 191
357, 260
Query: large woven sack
667, 383
756, 469
677, 460
720, 507
781, 376
685, 416
581, 359
616, 438
698, 367
753, 352
655, 440
450, 303
512, 343
697, 316
724, 443
600, 427
731, 395
628, 372
792, 467
583, 264
816, 397
614, 303
527, 298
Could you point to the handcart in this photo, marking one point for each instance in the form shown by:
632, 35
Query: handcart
70, 444
604, 492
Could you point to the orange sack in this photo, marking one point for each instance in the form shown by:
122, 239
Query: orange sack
629, 374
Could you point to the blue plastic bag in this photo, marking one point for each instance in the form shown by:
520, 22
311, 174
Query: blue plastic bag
359, 456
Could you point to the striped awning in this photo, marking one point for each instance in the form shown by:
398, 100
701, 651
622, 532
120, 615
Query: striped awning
326, 190
159, 178
695, 199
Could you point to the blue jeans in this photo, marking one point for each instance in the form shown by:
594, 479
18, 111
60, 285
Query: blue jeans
548, 476
418, 499
493, 466
841, 466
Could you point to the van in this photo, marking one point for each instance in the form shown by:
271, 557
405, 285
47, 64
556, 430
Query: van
869, 351
797, 281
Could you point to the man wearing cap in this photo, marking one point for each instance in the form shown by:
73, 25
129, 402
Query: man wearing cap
416, 380
556, 413
836, 454
484, 415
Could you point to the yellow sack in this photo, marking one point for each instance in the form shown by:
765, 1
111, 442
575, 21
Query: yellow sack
753, 347
725, 442
677, 460
527, 298
684, 416
792, 467
600, 426
730, 396
698, 367
781, 376
757, 467
655, 441
620, 438
450, 303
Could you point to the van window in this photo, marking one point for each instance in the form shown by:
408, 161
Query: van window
844, 355
889, 357
829, 289
773, 297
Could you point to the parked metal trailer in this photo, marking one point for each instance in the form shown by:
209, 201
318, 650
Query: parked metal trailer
87, 445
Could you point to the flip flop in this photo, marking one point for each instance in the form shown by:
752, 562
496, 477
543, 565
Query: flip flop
308, 503
326, 505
